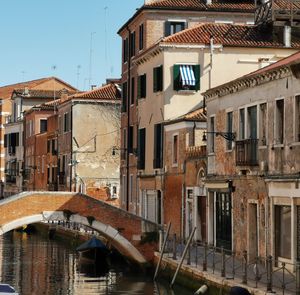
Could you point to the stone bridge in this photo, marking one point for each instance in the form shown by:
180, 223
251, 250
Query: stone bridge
124, 230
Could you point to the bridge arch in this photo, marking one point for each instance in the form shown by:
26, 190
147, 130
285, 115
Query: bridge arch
122, 229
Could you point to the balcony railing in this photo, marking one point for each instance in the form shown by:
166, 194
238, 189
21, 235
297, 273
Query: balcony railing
193, 152
246, 152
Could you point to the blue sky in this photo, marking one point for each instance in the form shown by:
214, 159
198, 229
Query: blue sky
41, 38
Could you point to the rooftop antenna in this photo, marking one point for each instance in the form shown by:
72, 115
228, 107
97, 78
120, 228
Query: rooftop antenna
91, 53
78, 74
54, 94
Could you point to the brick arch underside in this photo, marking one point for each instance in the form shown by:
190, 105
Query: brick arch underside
116, 239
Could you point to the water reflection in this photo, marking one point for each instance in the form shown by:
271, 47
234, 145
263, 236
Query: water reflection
35, 265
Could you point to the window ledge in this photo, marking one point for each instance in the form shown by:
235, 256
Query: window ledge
296, 143
174, 165
211, 154
262, 147
186, 91
281, 145
229, 151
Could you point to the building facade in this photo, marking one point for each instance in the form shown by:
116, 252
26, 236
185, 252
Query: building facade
153, 21
253, 180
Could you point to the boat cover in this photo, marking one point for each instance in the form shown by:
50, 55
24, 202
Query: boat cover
6, 288
93, 243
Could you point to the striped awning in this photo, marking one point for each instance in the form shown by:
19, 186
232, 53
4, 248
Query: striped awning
187, 75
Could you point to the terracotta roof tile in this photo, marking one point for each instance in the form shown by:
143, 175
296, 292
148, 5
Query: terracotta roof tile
6, 91
227, 35
197, 115
38, 93
219, 5
107, 92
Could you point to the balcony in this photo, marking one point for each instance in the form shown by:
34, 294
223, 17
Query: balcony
194, 152
246, 152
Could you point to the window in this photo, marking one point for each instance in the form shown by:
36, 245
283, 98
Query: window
124, 144
132, 90
212, 135
158, 146
48, 175
130, 139
297, 118
124, 97
11, 141
48, 146
132, 44
43, 125
279, 121
158, 79
283, 231
242, 124
186, 77
67, 122
141, 148
130, 188
125, 50
142, 86
263, 123
175, 150
229, 129
172, 27
141, 36
54, 147
252, 122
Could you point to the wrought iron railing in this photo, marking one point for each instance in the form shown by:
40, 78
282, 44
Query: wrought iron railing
246, 152
264, 273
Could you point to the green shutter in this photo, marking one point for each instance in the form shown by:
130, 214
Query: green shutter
176, 77
155, 79
139, 87
197, 76
167, 29
160, 78
144, 86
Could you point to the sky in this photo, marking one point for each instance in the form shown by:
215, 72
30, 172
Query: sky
68, 39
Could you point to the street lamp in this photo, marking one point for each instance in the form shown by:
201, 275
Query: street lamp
229, 136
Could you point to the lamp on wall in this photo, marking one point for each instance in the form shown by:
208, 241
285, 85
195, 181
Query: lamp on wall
115, 149
229, 136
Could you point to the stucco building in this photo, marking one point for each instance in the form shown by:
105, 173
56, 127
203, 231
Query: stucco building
154, 20
87, 140
253, 180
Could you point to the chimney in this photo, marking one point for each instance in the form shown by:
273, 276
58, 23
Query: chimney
26, 91
151, 1
93, 87
287, 36
208, 2
64, 94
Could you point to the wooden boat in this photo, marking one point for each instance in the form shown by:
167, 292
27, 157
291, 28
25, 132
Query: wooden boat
94, 250
6, 289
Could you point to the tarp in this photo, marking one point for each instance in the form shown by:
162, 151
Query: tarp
93, 243
6, 289
187, 75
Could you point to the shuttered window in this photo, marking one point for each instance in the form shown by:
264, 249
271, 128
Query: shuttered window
142, 86
180, 81
130, 140
158, 79
132, 44
158, 146
141, 148
125, 50
172, 27
124, 97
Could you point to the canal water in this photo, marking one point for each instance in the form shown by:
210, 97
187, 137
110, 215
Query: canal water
35, 265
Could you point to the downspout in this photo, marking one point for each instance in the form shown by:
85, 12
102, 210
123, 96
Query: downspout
71, 145
128, 118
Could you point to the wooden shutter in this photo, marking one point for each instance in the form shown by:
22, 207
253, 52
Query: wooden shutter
124, 97
139, 86
196, 69
157, 160
17, 138
141, 148
176, 77
160, 78
144, 86
155, 86
5, 140
167, 29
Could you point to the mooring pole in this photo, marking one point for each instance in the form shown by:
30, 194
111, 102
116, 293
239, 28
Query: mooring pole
162, 251
183, 256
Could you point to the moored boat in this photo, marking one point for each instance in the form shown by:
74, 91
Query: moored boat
94, 250
6, 289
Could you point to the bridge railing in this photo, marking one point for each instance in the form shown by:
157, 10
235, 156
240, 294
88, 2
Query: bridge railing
259, 272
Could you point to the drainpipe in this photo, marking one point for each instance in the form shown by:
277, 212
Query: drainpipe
128, 118
71, 145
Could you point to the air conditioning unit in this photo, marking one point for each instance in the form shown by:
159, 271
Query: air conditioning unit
263, 166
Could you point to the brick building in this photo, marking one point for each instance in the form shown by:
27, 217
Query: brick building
184, 200
253, 181
34, 93
153, 21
